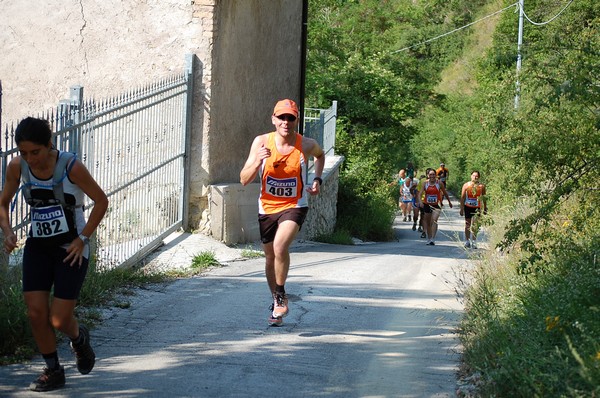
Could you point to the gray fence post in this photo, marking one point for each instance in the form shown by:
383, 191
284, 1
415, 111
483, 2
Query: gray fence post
68, 115
184, 206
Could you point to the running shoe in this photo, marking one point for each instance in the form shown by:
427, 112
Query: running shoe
474, 245
414, 228
431, 243
274, 321
423, 235
404, 219
49, 380
84, 354
280, 305
409, 218
467, 244
420, 229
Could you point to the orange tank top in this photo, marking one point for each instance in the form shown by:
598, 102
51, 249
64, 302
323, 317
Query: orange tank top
432, 193
282, 179
473, 194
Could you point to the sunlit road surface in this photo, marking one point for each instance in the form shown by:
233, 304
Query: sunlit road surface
369, 320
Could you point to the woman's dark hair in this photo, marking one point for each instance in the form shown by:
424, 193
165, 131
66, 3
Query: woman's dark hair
33, 130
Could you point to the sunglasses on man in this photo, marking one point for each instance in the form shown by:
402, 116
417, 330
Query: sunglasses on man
286, 118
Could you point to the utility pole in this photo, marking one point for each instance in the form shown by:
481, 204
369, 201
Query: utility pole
519, 44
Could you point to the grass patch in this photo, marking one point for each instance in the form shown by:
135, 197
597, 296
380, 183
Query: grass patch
102, 286
16, 342
249, 252
341, 237
204, 260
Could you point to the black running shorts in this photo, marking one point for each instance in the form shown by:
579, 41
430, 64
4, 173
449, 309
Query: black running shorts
472, 211
268, 223
430, 208
43, 267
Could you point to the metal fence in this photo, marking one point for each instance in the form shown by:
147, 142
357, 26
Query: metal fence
320, 124
135, 146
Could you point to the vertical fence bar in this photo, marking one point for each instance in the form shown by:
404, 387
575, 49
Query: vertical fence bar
76, 98
187, 133
329, 127
3, 254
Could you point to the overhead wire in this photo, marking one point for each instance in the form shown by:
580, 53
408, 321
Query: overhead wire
481, 19
455, 30
551, 19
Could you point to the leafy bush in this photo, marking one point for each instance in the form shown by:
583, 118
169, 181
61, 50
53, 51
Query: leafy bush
366, 214
537, 334
17, 341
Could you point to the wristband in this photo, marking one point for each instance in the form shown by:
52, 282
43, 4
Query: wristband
84, 238
319, 179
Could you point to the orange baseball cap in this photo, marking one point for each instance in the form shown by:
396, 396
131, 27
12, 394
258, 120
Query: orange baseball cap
286, 106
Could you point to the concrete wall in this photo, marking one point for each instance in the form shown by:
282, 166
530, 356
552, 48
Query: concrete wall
256, 61
322, 208
107, 46
234, 208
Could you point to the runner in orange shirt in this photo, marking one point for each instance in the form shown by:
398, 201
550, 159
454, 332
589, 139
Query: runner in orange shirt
443, 173
472, 199
433, 192
281, 159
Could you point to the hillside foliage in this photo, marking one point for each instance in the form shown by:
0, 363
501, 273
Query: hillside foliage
534, 302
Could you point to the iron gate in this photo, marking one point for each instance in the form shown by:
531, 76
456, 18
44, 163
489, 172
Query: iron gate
135, 145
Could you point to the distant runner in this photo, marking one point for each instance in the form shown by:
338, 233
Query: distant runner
406, 199
414, 190
433, 192
472, 199
443, 173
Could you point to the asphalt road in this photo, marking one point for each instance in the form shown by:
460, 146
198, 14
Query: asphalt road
369, 320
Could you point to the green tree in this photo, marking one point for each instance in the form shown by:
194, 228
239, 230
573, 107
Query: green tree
352, 58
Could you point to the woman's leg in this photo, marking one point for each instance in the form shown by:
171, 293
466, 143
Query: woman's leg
38, 312
434, 222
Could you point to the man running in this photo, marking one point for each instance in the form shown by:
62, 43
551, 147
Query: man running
281, 158
472, 198
443, 173
433, 192
406, 199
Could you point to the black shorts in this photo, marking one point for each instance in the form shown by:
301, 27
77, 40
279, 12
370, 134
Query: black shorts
472, 211
429, 208
43, 267
268, 223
